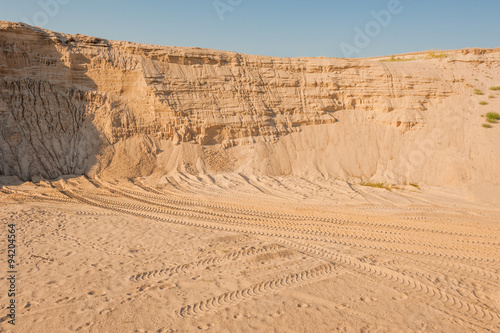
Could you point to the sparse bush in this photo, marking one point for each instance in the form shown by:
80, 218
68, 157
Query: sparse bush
378, 185
483, 103
434, 55
394, 59
491, 96
478, 92
495, 88
493, 116
415, 185
493, 121
486, 125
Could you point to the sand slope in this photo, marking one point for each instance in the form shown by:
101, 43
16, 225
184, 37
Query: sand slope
73, 104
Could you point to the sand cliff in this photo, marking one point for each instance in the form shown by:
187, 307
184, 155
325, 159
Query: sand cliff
73, 104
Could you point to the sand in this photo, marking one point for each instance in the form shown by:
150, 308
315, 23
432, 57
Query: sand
202, 190
249, 255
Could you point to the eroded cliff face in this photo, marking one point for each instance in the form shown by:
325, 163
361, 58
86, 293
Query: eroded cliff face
73, 104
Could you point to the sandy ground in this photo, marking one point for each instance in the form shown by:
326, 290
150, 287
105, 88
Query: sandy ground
248, 255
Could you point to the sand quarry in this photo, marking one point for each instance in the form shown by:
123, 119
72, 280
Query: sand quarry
163, 189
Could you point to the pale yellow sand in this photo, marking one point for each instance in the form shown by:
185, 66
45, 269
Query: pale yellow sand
265, 255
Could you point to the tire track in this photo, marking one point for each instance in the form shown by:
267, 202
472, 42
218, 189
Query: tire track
246, 228
184, 268
470, 309
280, 225
181, 205
228, 299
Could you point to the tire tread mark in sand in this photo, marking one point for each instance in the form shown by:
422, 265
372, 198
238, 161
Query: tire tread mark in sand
286, 226
171, 203
232, 228
92, 213
180, 269
228, 299
235, 220
445, 267
273, 215
472, 310
38, 196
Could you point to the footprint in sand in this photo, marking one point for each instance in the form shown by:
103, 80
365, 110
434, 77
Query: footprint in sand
342, 306
97, 292
205, 327
65, 299
276, 314
373, 329
400, 297
367, 299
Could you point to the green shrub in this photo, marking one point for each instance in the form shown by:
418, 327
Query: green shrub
394, 59
415, 185
495, 88
378, 185
493, 116
434, 55
486, 125
483, 103
478, 92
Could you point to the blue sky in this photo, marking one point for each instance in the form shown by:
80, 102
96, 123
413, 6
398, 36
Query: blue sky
284, 28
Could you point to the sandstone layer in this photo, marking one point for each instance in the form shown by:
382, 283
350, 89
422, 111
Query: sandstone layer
73, 104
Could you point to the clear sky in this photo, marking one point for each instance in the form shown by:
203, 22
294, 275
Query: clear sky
288, 28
